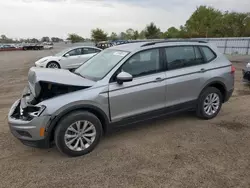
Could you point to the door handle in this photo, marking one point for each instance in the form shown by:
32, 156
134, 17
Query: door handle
159, 79
203, 70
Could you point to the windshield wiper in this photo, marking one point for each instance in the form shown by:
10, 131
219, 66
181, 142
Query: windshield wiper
78, 74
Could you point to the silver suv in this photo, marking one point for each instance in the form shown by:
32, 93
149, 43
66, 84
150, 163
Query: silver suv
119, 86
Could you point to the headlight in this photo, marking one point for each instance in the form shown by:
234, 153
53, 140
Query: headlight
35, 111
43, 61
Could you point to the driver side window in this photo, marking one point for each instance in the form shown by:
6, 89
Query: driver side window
143, 63
75, 52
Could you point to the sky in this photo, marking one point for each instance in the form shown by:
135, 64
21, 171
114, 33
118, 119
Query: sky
38, 18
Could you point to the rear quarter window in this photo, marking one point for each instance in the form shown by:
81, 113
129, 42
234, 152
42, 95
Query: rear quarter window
208, 53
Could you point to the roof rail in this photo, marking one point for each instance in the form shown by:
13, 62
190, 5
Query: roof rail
171, 40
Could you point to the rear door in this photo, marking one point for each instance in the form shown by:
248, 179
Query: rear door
184, 74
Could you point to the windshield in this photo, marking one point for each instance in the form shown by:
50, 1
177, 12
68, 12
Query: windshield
98, 66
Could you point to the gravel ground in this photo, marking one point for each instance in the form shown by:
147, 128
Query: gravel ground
178, 151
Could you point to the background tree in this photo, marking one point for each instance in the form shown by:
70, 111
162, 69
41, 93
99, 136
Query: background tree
130, 34
75, 38
173, 32
45, 39
99, 35
152, 32
142, 34
56, 39
113, 36
136, 35
122, 36
204, 22
234, 25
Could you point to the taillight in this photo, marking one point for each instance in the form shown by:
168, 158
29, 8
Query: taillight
232, 69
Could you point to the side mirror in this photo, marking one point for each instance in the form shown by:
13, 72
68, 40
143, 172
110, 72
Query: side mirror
66, 55
124, 77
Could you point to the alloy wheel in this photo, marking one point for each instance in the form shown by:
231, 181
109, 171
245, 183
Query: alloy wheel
211, 104
80, 135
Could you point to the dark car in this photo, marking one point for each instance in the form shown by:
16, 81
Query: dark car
246, 73
105, 44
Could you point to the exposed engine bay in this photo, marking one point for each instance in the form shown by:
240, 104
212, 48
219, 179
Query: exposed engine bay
49, 90
26, 110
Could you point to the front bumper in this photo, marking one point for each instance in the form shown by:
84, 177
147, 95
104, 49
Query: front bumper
28, 131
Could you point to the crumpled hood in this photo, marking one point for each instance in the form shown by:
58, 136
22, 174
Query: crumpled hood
59, 76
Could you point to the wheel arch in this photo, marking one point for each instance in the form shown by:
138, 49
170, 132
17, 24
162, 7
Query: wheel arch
217, 84
90, 108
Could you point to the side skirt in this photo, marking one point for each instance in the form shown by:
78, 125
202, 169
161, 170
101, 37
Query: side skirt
188, 106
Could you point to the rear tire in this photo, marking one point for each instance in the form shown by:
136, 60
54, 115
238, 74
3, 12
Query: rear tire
70, 137
209, 103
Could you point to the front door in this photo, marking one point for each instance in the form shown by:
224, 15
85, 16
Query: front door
71, 58
145, 93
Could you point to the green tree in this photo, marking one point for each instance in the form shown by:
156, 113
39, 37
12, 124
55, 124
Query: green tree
136, 35
99, 35
129, 34
75, 38
235, 24
173, 33
123, 36
45, 39
56, 39
113, 36
142, 35
152, 32
204, 22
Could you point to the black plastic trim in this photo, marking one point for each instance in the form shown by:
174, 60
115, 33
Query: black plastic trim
191, 105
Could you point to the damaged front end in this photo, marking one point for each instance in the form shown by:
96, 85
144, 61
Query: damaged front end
43, 85
28, 107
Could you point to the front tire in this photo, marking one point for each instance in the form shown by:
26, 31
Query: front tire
209, 103
53, 65
78, 133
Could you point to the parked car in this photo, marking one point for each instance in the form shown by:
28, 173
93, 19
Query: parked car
69, 58
104, 44
246, 73
119, 86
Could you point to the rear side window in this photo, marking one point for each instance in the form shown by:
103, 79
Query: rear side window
183, 56
89, 50
209, 54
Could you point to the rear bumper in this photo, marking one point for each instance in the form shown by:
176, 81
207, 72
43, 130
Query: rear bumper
228, 95
28, 132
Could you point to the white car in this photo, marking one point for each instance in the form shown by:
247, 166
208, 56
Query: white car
70, 58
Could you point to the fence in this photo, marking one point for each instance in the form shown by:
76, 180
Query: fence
231, 46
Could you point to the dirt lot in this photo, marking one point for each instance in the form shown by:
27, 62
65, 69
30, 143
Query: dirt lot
180, 151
